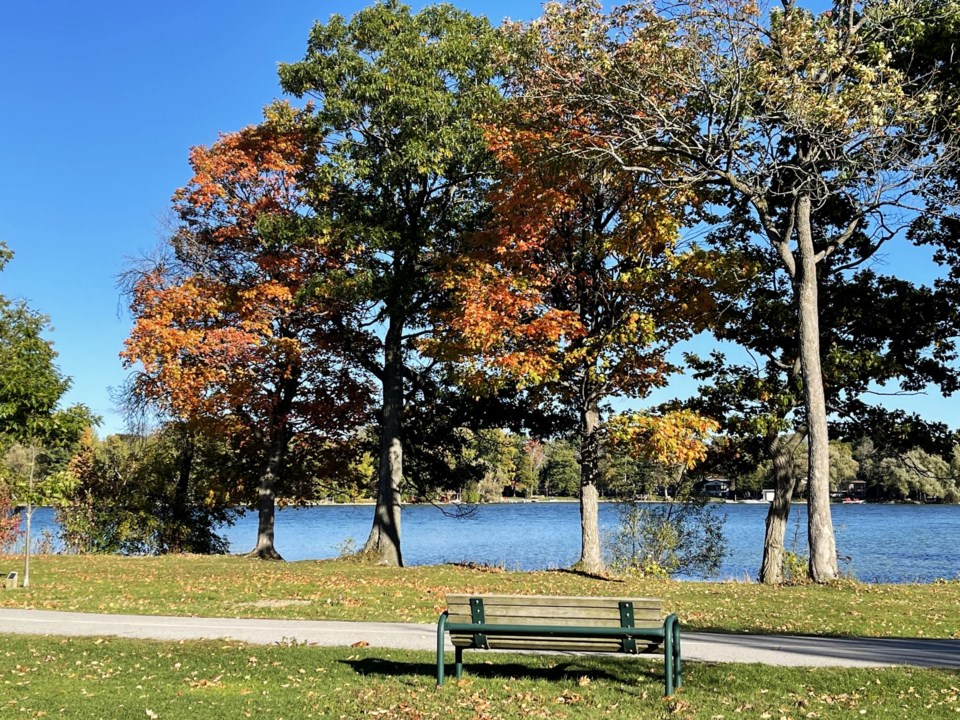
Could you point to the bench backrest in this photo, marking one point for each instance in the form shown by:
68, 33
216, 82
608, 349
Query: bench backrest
563, 611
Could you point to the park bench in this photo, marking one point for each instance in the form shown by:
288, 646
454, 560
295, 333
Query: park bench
579, 624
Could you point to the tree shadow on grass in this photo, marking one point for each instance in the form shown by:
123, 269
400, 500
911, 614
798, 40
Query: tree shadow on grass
589, 576
613, 670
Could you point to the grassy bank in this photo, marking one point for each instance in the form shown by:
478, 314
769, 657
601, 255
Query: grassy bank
343, 590
86, 679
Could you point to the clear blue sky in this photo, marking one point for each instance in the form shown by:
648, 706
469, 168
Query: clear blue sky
102, 101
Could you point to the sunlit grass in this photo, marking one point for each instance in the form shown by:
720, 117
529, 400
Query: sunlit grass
343, 590
114, 678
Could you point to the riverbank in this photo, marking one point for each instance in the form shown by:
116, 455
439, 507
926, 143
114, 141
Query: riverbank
344, 590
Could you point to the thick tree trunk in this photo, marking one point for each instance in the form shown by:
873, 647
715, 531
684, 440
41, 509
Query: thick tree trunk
266, 512
179, 518
279, 442
383, 544
823, 549
781, 452
266, 501
591, 560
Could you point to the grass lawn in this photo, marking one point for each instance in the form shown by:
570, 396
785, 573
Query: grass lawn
88, 678
345, 590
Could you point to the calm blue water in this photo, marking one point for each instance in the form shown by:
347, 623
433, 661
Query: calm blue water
877, 543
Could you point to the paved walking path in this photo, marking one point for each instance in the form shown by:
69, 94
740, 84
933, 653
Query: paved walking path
712, 647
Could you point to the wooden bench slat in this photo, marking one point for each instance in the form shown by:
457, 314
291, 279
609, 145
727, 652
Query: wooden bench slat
554, 601
556, 610
553, 610
560, 614
499, 619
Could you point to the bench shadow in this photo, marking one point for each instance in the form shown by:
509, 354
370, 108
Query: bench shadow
617, 670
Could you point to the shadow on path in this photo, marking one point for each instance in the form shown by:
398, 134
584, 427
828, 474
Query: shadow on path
922, 652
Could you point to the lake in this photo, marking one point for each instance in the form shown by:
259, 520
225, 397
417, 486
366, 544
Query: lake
876, 543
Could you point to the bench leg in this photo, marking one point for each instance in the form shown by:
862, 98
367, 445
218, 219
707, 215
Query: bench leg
671, 655
668, 664
459, 665
441, 627
676, 655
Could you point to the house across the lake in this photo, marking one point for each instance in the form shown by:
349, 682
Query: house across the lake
855, 489
717, 488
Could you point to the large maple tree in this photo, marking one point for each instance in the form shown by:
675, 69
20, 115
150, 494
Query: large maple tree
224, 331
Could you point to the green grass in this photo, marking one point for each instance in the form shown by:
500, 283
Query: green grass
344, 590
86, 678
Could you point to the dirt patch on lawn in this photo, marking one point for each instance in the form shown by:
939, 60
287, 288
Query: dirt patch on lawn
274, 603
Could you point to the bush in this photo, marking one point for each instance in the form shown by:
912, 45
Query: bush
470, 493
662, 539
490, 488
796, 568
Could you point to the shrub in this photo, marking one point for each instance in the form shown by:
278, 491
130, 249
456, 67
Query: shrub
796, 568
490, 488
663, 539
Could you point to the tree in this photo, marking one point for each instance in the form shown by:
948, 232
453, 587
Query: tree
31, 385
909, 473
131, 494
34, 483
663, 539
577, 286
33, 431
915, 474
560, 472
523, 482
401, 169
875, 330
787, 117
228, 339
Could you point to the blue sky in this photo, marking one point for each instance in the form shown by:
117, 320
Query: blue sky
102, 101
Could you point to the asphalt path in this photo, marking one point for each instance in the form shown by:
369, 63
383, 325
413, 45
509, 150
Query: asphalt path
711, 647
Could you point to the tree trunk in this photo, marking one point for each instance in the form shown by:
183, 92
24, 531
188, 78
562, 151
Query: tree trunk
266, 501
26, 546
823, 549
277, 454
179, 528
781, 453
266, 511
383, 544
591, 560
29, 518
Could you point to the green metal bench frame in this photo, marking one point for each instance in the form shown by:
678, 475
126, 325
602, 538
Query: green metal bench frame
668, 635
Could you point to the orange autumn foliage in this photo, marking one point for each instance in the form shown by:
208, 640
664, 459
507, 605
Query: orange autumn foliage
675, 438
580, 277
581, 283
225, 329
